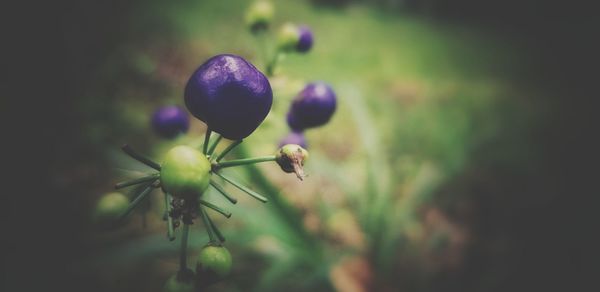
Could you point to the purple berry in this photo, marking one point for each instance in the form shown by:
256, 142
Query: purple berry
170, 121
312, 107
230, 95
294, 138
305, 40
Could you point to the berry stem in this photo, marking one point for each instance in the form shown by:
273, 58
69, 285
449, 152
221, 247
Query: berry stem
228, 149
136, 181
138, 199
216, 230
223, 192
184, 241
287, 213
261, 41
213, 145
216, 208
127, 149
244, 161
206, 221
243, 188
206, 140
170, 233
270, 70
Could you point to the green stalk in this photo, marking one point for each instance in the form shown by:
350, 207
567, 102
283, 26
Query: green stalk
223, 192
245, 161
286, 212
270, 70
214, 144
216, 208
216, 230
183, 253
136, 181
228, 149
243, 188
141, 196
170, 233
206, 221
206, 140
129, 151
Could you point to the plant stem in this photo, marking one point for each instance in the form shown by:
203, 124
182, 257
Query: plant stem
183, 253
289, 214
223, 192
228, 149
127, 149
170, 233
206, 221
138, 199
216, 208
206, 140
243, 188
245, 161
214, 144
273, 63
216, 230
136, 181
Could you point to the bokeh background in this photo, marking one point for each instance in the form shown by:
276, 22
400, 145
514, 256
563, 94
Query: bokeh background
456, 159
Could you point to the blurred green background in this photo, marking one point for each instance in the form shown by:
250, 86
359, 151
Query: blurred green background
433, 175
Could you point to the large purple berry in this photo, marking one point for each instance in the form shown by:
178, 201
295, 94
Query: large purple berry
305, 40
294, 138
312, 107
170, 121
230, 95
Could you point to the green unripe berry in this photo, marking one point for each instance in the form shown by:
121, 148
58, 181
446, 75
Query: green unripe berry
288, 37
175, 284
291, 158
185, 172
259, 15
109, 208
214, 263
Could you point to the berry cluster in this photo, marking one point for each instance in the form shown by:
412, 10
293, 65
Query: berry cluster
233, 98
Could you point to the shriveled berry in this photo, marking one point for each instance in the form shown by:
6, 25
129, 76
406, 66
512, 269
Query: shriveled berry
109, 208
214, 263
291, 158
305, 41
312, 107
170, 121
294, 138
230, 95
259, 15
185, 172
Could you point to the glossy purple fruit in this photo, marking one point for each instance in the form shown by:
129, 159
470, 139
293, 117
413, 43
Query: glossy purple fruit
312, 107
294, 138
170, 121
305, 40
230, 95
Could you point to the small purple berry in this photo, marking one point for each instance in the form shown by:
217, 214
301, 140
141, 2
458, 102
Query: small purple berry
230, 95
294, 138
312, 107
170, 121
305, 41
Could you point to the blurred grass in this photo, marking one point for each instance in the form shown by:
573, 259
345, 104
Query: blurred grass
417, 99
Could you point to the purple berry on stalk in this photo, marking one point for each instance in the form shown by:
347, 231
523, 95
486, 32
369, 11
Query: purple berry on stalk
305, 41
294, 138
170, 121
230, 95
312, 107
